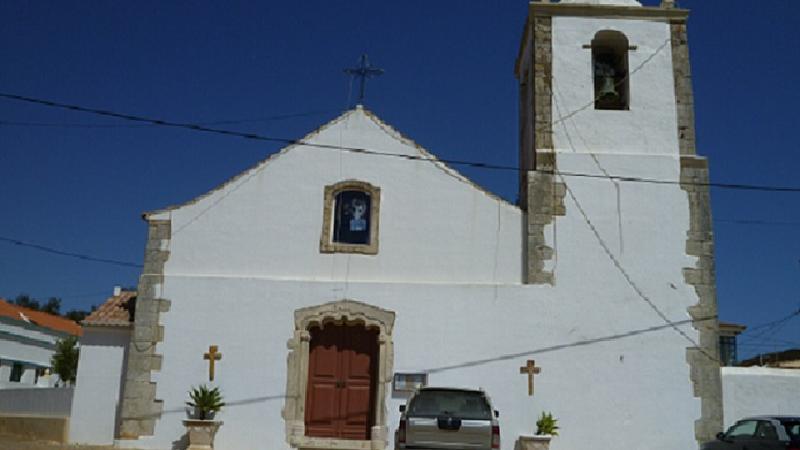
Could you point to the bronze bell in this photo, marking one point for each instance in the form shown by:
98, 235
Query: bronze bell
608, 87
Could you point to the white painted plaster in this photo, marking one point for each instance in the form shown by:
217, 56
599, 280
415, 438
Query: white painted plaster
32, 331
650, 126
478, 235
35, 401
95, 408
449, 266
752, 391
25, 344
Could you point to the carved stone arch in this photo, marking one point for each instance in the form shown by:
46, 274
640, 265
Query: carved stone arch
344, 311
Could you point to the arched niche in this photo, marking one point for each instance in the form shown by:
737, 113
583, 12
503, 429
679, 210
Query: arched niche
610, 70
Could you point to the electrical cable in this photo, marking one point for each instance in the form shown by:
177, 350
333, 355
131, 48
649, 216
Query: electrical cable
56, 251
616, 262
119, 125
366, 151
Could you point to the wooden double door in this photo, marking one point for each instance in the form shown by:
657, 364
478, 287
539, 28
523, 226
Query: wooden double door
342, 378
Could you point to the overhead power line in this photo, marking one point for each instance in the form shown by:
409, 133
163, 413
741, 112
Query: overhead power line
616, 84
366, 151
123, 125
56, 251
616, 262
765, 331
758, 222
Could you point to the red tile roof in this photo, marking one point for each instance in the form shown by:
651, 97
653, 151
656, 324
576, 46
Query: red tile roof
39, 318
117, 311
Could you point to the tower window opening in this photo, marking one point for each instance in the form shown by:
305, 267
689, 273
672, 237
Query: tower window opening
610, 70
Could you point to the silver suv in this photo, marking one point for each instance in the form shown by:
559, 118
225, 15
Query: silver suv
759, 433
446, 418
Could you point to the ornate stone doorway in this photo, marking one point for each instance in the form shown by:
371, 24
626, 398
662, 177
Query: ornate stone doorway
342, 369
338, 373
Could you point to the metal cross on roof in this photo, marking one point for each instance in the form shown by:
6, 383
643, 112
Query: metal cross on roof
363, 71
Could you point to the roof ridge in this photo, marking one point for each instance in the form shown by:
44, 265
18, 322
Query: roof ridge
399, 136
257, 166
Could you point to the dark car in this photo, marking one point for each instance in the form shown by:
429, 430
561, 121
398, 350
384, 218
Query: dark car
759, 433
448, 419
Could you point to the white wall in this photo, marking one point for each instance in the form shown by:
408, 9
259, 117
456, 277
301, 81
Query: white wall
650, 126
465, 335
479, 235
95, 409
751, 391
26, 344
37, 401
239, 269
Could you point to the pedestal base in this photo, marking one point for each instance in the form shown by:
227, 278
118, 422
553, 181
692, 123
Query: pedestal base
201, 433
536, 442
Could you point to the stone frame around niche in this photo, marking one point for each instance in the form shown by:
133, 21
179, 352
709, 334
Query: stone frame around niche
346, 311
326, 243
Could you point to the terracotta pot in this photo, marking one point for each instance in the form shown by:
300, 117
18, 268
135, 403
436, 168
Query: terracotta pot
201, 433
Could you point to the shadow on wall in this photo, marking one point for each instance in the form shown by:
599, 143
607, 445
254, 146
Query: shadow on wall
182, 443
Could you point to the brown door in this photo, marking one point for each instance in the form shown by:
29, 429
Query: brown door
341, 382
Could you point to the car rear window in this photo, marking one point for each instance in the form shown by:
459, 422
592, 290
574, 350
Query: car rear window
464, 404
792, 427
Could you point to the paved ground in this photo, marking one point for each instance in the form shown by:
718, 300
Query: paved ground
9, 443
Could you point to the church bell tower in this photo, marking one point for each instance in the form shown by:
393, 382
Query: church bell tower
606, 96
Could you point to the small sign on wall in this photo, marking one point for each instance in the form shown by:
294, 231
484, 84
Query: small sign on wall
404, 384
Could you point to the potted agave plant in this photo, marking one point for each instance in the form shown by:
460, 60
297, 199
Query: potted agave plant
546, 429
201, 426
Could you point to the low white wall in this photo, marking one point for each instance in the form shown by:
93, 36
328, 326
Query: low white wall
95, 409
750, 391
55, 402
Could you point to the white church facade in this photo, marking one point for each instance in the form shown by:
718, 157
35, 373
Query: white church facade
327, 278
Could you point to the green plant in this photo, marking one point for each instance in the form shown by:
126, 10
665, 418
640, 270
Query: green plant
547, 424
206, 401
65, 359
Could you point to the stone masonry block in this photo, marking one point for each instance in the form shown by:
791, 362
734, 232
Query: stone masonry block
146, 306
163, 305
137, 376
544, 252
541, 278
692, 276
130, 429
138, 390
542, 219
146, 333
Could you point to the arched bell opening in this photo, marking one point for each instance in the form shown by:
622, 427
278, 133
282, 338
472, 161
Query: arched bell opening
610, 70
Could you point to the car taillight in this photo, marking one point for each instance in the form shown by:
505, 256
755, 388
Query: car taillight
495, 436
793, 447
401, 432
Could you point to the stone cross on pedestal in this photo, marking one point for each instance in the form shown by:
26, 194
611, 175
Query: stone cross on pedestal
530, 369
212, 356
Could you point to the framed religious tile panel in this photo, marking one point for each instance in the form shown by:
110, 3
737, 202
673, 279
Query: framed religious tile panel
350, 218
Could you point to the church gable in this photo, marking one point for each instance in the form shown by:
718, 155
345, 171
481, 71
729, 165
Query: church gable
355, 187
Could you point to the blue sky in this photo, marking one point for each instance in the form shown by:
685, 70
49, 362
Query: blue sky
80, 182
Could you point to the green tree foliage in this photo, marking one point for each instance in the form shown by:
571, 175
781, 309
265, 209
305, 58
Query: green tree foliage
65, 359
26, 301
77, 315
53, 306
